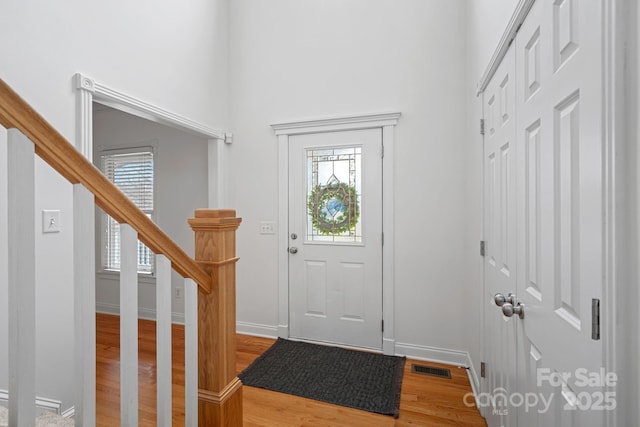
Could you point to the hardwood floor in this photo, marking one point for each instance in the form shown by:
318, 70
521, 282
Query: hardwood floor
425, 400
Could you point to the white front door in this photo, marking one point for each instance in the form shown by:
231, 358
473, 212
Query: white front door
335, 237
558, 203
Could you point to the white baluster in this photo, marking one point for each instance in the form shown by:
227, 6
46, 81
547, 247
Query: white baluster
128, 326
191, 353
85, 306
163, 340
22, 312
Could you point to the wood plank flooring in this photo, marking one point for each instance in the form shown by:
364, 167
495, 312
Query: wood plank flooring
425, 400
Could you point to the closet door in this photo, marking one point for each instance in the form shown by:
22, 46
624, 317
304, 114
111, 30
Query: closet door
560, 245
500, 236
543, 158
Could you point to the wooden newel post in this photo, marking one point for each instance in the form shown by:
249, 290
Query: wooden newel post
219, 389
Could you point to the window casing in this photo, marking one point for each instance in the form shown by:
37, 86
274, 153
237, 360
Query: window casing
132, 171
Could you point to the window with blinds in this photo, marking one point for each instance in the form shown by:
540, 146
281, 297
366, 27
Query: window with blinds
132, 173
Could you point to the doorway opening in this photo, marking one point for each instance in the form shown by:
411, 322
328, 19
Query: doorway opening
286, 133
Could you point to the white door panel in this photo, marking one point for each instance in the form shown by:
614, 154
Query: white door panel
560, 208
556, 134
335, 278
500, 232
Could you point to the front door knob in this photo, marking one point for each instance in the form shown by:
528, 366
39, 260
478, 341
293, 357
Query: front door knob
293, 250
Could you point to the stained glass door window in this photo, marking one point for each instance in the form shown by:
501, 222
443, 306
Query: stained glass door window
334, 191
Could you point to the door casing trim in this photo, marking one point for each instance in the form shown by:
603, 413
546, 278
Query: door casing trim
384, 121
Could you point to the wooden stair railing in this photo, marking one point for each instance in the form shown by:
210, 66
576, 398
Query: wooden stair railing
219, 390
220, 394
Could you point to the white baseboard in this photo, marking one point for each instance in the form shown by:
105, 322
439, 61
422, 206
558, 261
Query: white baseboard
433, 354
246, 328
43, 404
150, 314
473, 377
69, 413
388, 346
143, 313
441, 355
283, 331
256, 330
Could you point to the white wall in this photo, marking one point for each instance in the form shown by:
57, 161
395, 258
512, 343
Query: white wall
293, 59
284, 60
631, 362
628, 340
171, 55
4, 267
181, 167
486, 22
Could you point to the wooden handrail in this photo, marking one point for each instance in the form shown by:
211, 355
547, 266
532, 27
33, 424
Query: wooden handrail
61, 155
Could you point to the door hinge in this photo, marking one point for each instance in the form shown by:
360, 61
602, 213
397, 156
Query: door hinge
481, 126
482, 247
483, 372
595, 319
382, 326
382, 151
382, 238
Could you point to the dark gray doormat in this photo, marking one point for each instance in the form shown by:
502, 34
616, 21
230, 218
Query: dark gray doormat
356, 379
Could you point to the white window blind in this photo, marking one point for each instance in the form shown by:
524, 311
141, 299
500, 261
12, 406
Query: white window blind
132, 173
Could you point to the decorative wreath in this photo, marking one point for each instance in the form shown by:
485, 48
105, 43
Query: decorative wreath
333, 208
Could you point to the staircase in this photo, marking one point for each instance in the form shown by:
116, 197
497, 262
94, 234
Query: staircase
213, 392
43, 420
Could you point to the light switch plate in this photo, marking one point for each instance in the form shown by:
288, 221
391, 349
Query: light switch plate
50, 221
267, 227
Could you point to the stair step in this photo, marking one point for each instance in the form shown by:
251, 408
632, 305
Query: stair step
44, 420
53, 420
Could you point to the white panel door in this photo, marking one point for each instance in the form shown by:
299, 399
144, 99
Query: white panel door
335, 237
500, 237
560, 271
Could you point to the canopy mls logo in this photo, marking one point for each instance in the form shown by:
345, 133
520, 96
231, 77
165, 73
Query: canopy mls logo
500, 401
